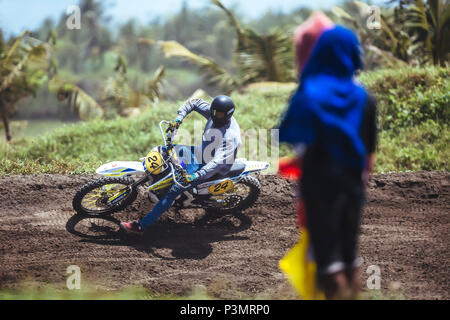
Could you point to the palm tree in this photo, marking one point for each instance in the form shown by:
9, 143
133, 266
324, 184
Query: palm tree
118, 97
80, 103
215, 74
257, 57
405, 30
24, 62
432, 17
262, 57
121, 98
388, 45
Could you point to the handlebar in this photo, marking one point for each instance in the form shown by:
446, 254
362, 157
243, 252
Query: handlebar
162, 131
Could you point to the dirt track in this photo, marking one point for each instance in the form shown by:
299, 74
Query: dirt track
405, 231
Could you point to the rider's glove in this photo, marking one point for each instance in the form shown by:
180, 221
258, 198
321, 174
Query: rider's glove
174, 124
189, 178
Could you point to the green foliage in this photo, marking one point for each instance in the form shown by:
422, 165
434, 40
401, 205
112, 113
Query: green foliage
121, 98
258, 57
79, 102
410, 96
419, 142
24, 64
432, 19
230, 57
420, 147
118, 98
32, 291
414, 31
216, 75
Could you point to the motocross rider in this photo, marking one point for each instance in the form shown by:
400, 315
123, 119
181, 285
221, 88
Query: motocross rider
220, 142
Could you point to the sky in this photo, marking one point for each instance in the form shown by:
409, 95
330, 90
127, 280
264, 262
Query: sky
18, 15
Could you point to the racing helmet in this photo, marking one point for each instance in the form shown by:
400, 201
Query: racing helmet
222, 109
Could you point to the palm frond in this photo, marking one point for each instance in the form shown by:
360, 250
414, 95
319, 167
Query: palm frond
216, 75
85, 106
153, 88
261, 57
266, 58
14, 47
241, 32
13, 73
341, 13
418, 19
36, 56
81, 103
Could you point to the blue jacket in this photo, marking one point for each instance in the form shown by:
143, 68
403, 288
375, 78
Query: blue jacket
328, 107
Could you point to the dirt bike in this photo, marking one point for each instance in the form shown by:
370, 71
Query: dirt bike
236, 191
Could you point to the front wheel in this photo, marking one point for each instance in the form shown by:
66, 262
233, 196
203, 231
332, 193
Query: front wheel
104, 196
242, 196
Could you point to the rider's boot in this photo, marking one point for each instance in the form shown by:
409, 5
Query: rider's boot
132, 227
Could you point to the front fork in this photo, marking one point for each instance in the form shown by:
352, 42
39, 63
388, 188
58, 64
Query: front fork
121, 193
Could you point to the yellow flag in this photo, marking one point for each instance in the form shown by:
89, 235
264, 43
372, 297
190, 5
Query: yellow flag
301, 269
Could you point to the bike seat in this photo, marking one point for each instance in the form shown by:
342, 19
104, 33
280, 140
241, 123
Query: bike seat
236, 169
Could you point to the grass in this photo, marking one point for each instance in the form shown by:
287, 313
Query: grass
413, 118
48, 292
30, 128
33, 291
421, 147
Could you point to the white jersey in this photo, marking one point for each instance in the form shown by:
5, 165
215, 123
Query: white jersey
219, 145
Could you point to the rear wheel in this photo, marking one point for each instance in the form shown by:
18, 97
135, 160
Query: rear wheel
242, 196
104, 196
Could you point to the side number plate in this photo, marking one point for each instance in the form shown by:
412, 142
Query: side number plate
220, 188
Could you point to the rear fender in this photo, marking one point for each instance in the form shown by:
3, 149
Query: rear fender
254, 166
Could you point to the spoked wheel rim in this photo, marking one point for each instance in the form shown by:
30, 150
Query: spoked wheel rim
232, 198
102, 198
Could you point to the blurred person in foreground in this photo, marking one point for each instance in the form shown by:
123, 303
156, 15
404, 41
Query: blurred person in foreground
331, 123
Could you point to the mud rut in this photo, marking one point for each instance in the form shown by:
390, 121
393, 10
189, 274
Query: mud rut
405, 231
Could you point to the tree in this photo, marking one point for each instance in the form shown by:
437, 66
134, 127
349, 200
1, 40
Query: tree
257, 57
24, 66
388, 44
262, 57
415, 31
121, 98
80, 103
432, 17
